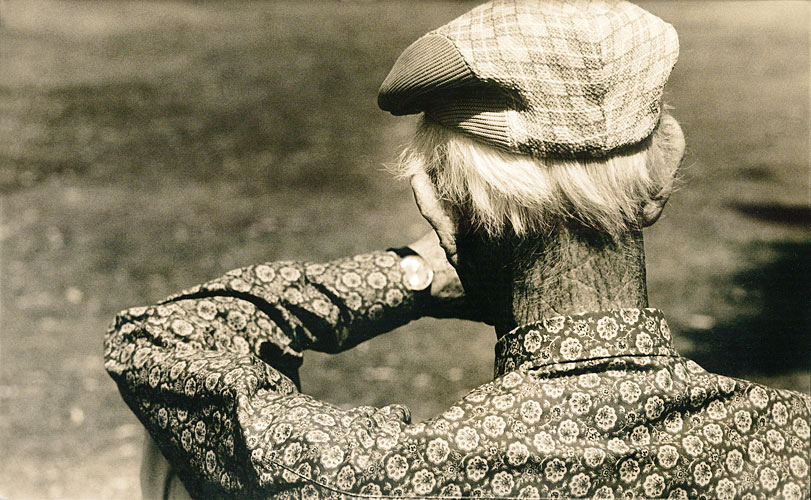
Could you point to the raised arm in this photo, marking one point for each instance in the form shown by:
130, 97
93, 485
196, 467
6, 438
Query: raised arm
334, 306
212, 372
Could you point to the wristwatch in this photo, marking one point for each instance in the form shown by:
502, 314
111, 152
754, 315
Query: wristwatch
417, 274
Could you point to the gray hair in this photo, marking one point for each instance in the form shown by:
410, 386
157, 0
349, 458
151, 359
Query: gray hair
499, 191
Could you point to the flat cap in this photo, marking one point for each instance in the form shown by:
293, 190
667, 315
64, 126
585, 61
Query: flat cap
540, 77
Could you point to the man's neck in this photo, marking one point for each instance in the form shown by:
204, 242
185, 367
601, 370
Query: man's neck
565, 273
577, 272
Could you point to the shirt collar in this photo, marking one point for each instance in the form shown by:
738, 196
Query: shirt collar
593, 335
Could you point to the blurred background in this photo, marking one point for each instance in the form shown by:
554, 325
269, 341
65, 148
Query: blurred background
149, 146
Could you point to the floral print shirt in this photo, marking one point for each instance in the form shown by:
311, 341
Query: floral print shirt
597, 405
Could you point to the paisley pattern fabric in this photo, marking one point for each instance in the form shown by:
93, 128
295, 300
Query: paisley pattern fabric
591, 406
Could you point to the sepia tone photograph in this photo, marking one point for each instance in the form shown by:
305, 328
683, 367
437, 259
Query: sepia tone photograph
405, 249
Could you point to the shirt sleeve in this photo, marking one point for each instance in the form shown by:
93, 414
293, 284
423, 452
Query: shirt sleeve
324, 307
212, 372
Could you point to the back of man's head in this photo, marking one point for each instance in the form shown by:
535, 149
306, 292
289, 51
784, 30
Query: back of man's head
541, 113
502, 192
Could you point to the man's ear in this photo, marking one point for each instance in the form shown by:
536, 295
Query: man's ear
669, 143
437, 213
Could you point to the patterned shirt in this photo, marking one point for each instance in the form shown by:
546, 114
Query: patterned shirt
597, 405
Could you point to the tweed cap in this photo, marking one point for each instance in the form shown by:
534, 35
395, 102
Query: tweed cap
540, 77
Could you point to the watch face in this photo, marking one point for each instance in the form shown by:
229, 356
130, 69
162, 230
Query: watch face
416, 273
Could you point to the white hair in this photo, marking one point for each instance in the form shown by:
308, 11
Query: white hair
499, 191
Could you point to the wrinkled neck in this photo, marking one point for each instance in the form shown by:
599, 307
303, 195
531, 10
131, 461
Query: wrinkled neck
571, 271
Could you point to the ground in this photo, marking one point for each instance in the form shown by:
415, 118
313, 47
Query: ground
148, 146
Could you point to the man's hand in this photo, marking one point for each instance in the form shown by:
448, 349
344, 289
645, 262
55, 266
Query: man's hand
446, 289
439, 250
437, 213
446, 284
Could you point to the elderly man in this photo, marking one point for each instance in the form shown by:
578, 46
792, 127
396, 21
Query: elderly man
542, 152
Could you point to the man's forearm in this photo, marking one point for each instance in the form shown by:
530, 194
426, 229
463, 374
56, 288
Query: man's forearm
334, 306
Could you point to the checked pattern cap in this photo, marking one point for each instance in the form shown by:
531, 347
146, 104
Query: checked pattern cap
540, 77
